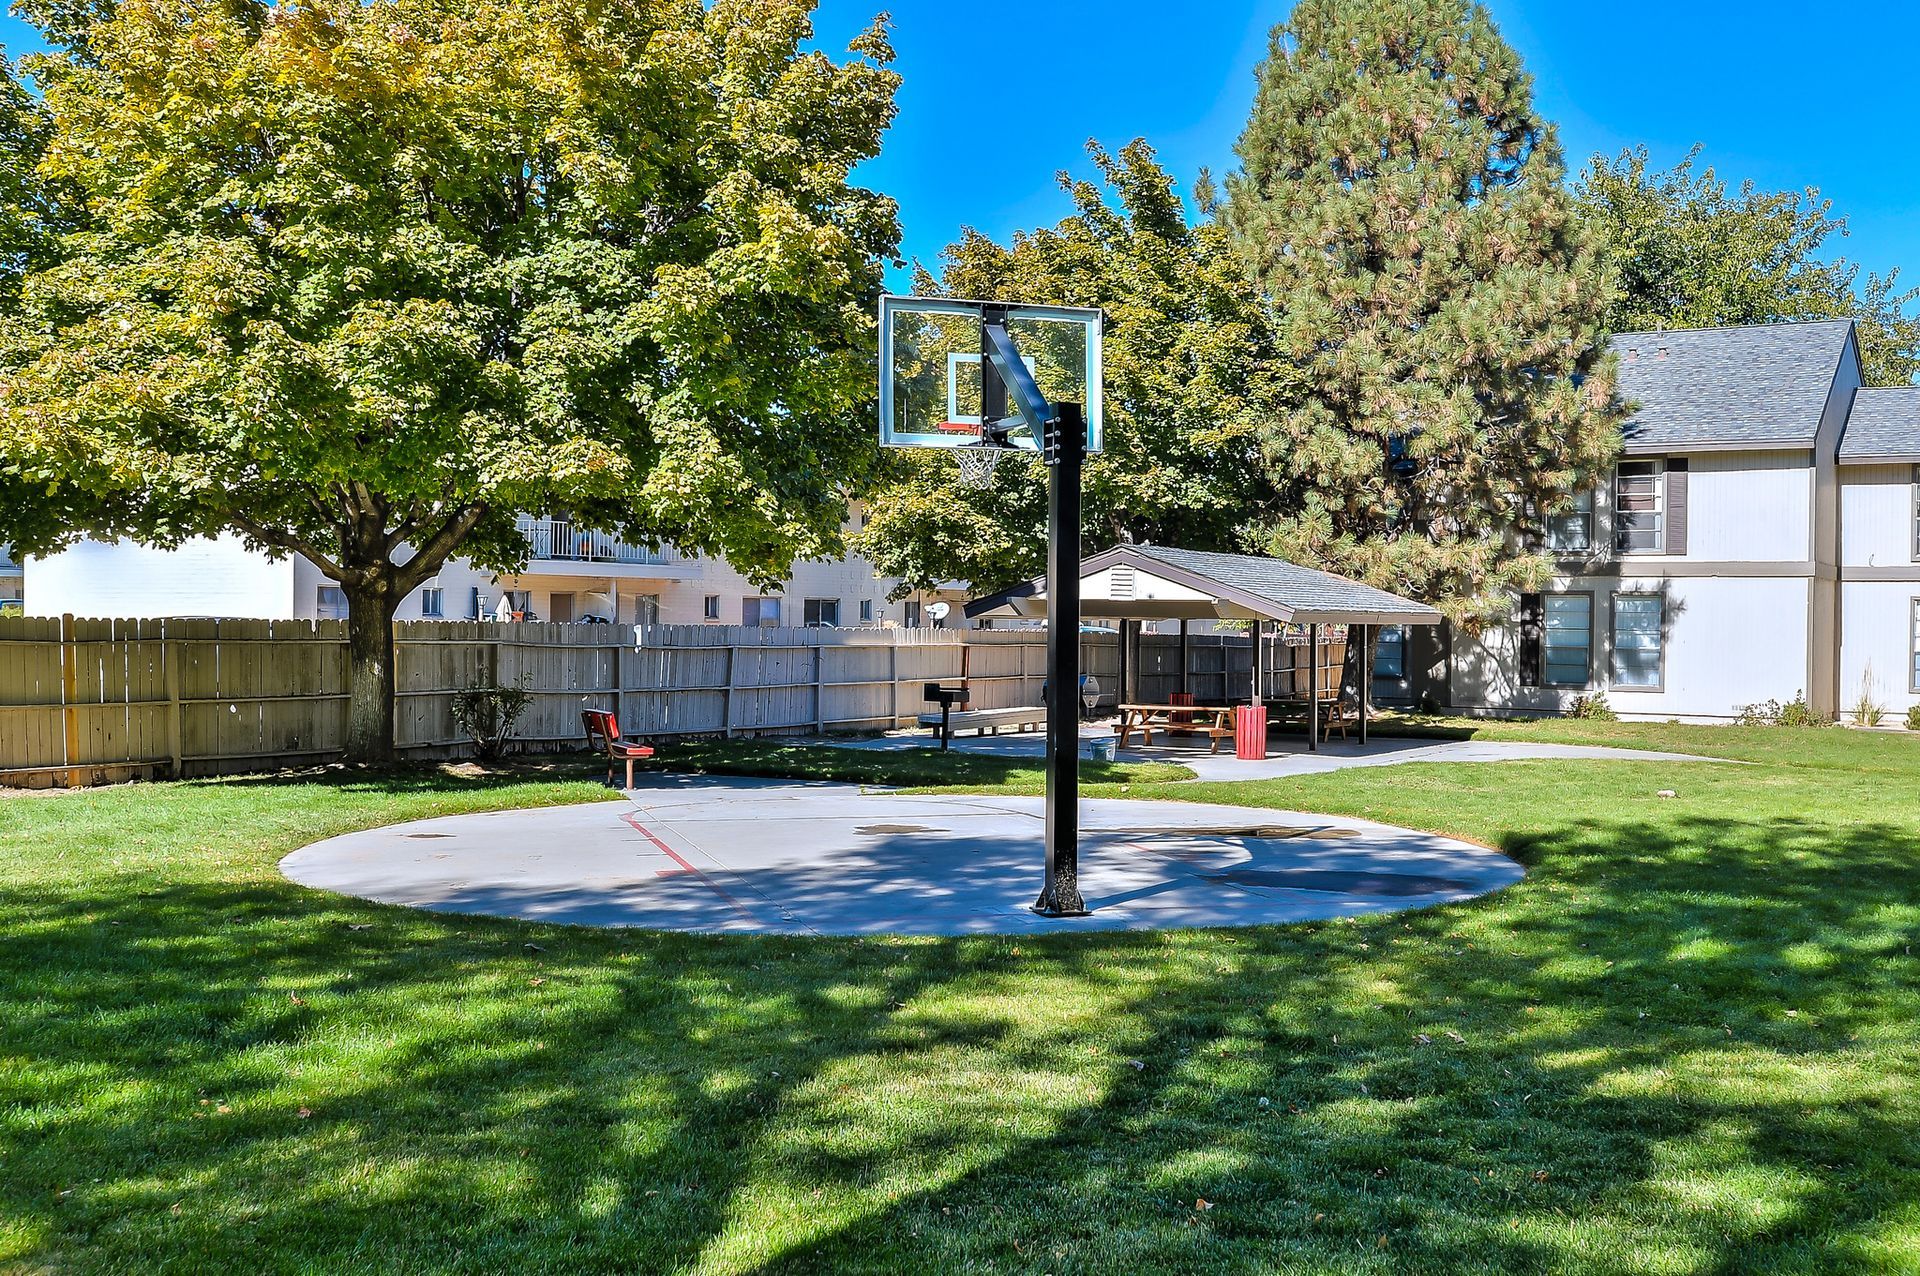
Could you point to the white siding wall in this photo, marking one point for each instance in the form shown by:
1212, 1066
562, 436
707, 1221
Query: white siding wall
219, 577
1750, 507
1876, 515
1875, 632
1730, 641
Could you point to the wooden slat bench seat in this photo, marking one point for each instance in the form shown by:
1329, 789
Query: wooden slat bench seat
989, 720
603, 736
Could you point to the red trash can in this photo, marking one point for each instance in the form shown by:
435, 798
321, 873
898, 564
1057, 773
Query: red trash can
1250, 732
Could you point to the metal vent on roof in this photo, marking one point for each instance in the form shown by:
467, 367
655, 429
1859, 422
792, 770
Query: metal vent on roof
1123, 580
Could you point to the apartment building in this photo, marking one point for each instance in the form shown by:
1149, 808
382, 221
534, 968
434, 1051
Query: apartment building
1756, 541
573, 573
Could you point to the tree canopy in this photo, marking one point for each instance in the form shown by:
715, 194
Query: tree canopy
1400, 202
1190, 367
364, 280
1690, 253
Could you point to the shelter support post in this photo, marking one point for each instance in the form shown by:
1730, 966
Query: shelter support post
1060, 895
1313, 687
1186, 662
1366, 677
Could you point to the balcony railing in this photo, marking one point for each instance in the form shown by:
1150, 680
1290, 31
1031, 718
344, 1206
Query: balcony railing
563, 541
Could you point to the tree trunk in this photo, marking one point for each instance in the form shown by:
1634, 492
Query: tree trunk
370, 609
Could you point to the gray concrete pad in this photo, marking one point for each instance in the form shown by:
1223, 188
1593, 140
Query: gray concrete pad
728, 854
1286, 756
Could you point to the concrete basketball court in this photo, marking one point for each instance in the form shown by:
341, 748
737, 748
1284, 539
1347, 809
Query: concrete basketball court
737, 855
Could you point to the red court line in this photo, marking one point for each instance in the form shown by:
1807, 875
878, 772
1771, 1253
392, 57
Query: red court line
676, 857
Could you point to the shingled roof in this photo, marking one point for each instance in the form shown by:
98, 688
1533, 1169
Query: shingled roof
1241, 585
1759, 386
1883, 426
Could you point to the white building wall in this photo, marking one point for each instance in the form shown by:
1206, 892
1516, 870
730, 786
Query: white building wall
1876, 636
1876, 515
216, 577
1729, 641
1745, 507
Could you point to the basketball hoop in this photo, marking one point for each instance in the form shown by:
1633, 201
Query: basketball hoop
977, 462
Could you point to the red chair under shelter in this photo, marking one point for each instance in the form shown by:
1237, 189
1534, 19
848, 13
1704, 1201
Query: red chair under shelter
603, 734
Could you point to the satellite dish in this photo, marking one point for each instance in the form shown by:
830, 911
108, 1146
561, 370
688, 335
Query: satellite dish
938, 611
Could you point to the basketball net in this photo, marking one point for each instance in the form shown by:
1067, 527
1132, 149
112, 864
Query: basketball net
977, 462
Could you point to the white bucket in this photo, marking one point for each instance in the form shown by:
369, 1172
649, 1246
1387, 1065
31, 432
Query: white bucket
1100, 750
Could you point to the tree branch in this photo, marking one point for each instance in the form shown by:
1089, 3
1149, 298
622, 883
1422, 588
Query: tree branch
432, 555
288, 541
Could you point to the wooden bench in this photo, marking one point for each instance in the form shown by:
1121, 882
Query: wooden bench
986, 720
1182, 719
603, 736
1335, 711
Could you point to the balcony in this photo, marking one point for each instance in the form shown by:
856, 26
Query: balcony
560, 545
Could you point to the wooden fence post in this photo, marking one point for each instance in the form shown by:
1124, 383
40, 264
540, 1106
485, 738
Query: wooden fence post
70, 712
819, 683
170, 656
726, 694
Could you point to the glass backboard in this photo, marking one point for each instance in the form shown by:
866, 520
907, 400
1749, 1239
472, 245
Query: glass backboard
930, 368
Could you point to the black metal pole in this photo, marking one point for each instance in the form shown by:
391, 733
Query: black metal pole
1066, 448
1313, 687
1366, 676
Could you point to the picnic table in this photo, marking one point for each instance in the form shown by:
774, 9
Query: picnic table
1176, 719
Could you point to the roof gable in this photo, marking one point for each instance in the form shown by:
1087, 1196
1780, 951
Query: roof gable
1760, 386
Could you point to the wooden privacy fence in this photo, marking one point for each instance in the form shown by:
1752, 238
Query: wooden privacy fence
88, 701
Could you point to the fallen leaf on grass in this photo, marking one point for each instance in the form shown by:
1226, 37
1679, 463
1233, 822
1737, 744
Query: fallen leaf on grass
1202, 1203
537, 980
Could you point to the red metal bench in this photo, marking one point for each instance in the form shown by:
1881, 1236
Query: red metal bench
603, 734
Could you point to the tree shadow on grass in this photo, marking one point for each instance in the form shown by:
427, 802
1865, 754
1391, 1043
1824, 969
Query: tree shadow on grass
1595, 1070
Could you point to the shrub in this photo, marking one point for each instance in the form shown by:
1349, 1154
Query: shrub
487, 715
1867, 711
1594, 708
1913, 717
1771, 713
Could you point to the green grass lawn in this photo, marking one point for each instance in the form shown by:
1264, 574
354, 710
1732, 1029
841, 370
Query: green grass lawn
1686, 1043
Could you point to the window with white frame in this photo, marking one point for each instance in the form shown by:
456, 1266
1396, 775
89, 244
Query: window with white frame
1639, 507
1566, 640
433, 602
1639, 640
1571, 530
820, 611
910, 614
646, 609
1913, 650
1390, 652
711, 608
866, 611
331, 603
760, 611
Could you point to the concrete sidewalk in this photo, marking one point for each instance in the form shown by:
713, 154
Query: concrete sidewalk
1287, 755
729, 854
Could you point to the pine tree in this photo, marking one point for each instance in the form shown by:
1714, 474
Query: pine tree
1401, 203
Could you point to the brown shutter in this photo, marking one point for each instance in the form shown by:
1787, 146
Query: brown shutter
1677, 505
1533, 625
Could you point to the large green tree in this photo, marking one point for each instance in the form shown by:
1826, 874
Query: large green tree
364, 279
1690, 253
1190, 367
1400, 202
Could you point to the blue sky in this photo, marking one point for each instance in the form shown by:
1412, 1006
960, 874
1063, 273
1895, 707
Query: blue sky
1772, 94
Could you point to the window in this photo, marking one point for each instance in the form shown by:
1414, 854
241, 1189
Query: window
1913, 683
866, 611
331, 603
1571, 530
711, 609
910, 614
1916, 513
646, 609
1639, 640
820, 611
1390, 653
1638, 510
433, 602
1566, 640
760, 611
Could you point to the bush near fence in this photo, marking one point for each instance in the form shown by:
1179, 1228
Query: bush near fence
94, 701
